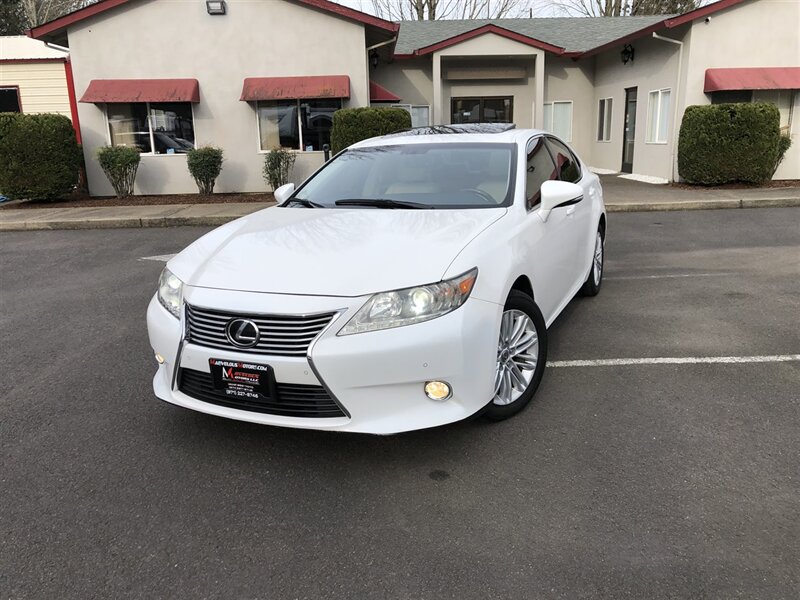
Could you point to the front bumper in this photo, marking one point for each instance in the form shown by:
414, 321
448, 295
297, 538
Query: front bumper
376, 377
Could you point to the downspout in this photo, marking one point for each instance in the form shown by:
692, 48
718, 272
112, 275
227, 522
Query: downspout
673, 164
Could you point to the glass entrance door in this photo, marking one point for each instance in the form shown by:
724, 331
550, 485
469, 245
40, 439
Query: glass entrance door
629, 135
482, 110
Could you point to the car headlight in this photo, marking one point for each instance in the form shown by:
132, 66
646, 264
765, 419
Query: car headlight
170, 292
411, 305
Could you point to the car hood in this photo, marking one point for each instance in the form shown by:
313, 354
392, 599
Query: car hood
331, 252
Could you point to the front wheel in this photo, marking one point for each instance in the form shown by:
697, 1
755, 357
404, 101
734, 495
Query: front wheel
595, 278
521, 356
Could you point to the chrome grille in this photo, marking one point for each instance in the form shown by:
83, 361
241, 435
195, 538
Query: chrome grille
280, 335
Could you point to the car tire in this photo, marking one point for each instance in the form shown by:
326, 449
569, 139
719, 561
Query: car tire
520, 311
595, 278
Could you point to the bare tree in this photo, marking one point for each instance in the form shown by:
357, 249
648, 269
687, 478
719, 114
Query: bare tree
41, 11
429, 10
623, 8
12, 19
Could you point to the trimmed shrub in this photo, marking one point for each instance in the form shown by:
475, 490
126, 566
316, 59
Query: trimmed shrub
120, 164
351, 125
784, 144
726, 143
278, 164
40, 159
205, 165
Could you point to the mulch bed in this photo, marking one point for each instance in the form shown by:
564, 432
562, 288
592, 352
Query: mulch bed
781, 183
83, 200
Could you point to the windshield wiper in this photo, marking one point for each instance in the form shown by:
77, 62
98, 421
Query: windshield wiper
303, 202
382, 203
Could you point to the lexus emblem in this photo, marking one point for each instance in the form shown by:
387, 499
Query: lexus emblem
242, 333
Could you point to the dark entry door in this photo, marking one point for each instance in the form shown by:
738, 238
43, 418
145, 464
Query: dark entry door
482, 110
629, 134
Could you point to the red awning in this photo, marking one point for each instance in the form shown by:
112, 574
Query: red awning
290, 88
757, 78
378, 93
142, 90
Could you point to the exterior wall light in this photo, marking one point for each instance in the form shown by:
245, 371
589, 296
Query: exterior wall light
215, 7
626, 54
374, 58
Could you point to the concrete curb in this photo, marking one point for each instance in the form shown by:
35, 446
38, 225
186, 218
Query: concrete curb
117, 223
703, 204
101, 222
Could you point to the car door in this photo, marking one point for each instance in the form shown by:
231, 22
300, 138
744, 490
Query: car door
550, 259
579, 215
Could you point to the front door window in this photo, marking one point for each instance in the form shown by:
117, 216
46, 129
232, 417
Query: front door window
629, 135
482, 110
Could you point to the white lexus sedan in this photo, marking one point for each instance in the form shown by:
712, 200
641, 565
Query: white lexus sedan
407, 284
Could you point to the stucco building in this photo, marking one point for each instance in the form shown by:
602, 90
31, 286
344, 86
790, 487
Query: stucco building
248, 76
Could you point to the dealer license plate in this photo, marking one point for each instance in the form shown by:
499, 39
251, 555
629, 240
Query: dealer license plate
243, 380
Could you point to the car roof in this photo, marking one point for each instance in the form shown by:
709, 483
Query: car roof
450, 134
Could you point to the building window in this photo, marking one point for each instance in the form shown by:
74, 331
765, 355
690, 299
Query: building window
658, 116
296, 124
482, 110
731, 96
558, 119
604, 120
152, 128
420, 113
9, 100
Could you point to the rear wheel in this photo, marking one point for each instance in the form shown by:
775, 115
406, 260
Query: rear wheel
521, 356
595, 279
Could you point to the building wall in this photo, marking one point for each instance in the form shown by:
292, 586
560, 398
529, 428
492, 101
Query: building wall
527, 102
253, 39
655, 66
42, 85
762, 33
409, 78
566, 79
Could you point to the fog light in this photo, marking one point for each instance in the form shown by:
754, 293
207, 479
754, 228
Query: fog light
437, 390
160, 359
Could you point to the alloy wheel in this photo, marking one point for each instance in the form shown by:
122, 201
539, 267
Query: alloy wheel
517, 356
597, 265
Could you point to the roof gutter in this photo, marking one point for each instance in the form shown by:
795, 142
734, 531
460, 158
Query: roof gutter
675, 129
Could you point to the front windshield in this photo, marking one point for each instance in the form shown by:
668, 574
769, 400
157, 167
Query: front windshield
460, 175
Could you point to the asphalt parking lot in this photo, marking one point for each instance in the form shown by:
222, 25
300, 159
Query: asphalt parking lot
629, 481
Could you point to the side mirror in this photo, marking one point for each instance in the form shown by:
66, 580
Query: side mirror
558, 193
283, 192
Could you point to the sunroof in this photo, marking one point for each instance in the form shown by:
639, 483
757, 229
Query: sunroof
456, 128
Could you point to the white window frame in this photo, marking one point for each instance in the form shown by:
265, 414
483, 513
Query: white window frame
548, 127
608, 119
150, 128
409, 107
658, 93
299, 128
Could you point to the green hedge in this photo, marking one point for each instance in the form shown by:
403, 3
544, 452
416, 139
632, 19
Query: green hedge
39, 156
351, 125
725, 143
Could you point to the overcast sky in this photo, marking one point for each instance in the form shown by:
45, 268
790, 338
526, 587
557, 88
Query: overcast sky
542, 8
